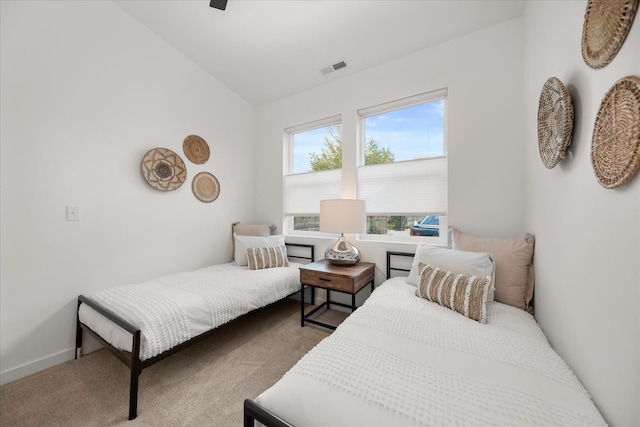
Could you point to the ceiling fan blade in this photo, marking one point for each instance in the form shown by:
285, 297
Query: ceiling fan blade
218, 4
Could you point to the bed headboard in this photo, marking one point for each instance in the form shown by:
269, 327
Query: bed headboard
301, 252
399, 263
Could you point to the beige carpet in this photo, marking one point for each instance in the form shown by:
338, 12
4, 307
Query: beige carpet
205, 384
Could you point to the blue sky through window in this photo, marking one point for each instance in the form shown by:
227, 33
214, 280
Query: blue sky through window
409, 133
304, 143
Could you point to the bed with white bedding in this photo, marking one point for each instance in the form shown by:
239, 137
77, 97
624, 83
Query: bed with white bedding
401, 360
173, 309
146, 322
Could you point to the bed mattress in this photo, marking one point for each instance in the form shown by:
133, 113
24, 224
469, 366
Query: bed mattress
400, 360
173, 309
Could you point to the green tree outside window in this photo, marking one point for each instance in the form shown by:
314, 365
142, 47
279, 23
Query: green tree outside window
330, 157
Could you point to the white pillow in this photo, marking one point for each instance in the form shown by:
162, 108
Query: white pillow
459, 262
242, 243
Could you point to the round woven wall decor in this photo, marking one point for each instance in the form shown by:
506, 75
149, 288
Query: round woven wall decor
163, 169
205, 187
615, 145
196, 149
606, 25
555, 122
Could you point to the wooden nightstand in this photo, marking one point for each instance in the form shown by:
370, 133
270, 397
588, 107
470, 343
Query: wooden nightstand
349, 279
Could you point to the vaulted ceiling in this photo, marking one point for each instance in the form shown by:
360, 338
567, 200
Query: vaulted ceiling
267, 50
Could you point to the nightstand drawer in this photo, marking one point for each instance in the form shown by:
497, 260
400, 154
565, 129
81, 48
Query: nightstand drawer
326, 280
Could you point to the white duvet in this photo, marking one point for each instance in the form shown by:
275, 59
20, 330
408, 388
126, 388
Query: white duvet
400, 360
173, 309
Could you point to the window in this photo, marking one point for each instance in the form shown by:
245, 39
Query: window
314, 172
403, 172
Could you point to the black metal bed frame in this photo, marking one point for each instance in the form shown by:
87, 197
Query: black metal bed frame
132, 359
254, 412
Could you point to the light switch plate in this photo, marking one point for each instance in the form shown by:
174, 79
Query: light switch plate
73, 213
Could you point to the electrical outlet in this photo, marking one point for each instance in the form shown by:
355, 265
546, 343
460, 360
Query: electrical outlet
73, 213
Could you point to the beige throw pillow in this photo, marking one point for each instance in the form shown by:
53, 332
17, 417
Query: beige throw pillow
467, 295
270, 257
514, 281
251, 230
247, 230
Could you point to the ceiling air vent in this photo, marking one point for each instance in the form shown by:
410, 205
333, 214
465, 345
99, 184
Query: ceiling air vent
335, 67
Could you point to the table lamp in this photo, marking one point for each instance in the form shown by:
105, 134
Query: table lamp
342, 216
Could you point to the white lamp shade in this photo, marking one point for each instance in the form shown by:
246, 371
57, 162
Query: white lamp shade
342, 216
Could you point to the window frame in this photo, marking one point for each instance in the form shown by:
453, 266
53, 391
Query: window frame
289, 132
395, 105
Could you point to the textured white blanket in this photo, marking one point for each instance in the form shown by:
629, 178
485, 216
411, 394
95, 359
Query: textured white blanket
173, 309
400, 360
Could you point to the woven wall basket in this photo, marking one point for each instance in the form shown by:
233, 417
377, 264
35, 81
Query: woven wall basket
615, 145
196, 149
163, 169
205, 187
555, 122
606, 25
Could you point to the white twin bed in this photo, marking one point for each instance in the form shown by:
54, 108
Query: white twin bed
451, 344
143, 323
402, 361
173, 309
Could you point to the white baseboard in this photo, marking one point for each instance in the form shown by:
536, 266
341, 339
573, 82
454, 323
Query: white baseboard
36, 366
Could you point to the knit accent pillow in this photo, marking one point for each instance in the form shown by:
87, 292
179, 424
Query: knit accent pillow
269, 257
464, 294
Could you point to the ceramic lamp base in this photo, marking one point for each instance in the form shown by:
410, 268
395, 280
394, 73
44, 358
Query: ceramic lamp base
342, 253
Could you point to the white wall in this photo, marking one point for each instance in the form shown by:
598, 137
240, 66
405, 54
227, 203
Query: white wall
587, 237
483, 74
86, 91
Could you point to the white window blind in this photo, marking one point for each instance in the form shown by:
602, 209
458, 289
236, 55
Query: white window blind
304, 191
415, 187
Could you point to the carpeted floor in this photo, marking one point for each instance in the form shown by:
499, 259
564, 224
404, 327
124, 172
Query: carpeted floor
205, 384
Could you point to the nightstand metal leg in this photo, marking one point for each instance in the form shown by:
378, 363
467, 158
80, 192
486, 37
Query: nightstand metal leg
301, 305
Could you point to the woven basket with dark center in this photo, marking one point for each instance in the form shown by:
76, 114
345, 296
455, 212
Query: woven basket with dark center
615, 145
196, 149
555, 122
163, 169
205, 187
606, 25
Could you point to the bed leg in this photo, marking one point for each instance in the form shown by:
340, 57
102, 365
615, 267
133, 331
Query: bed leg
133, 395
135, 376
254, 412
249, 420
78, 333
